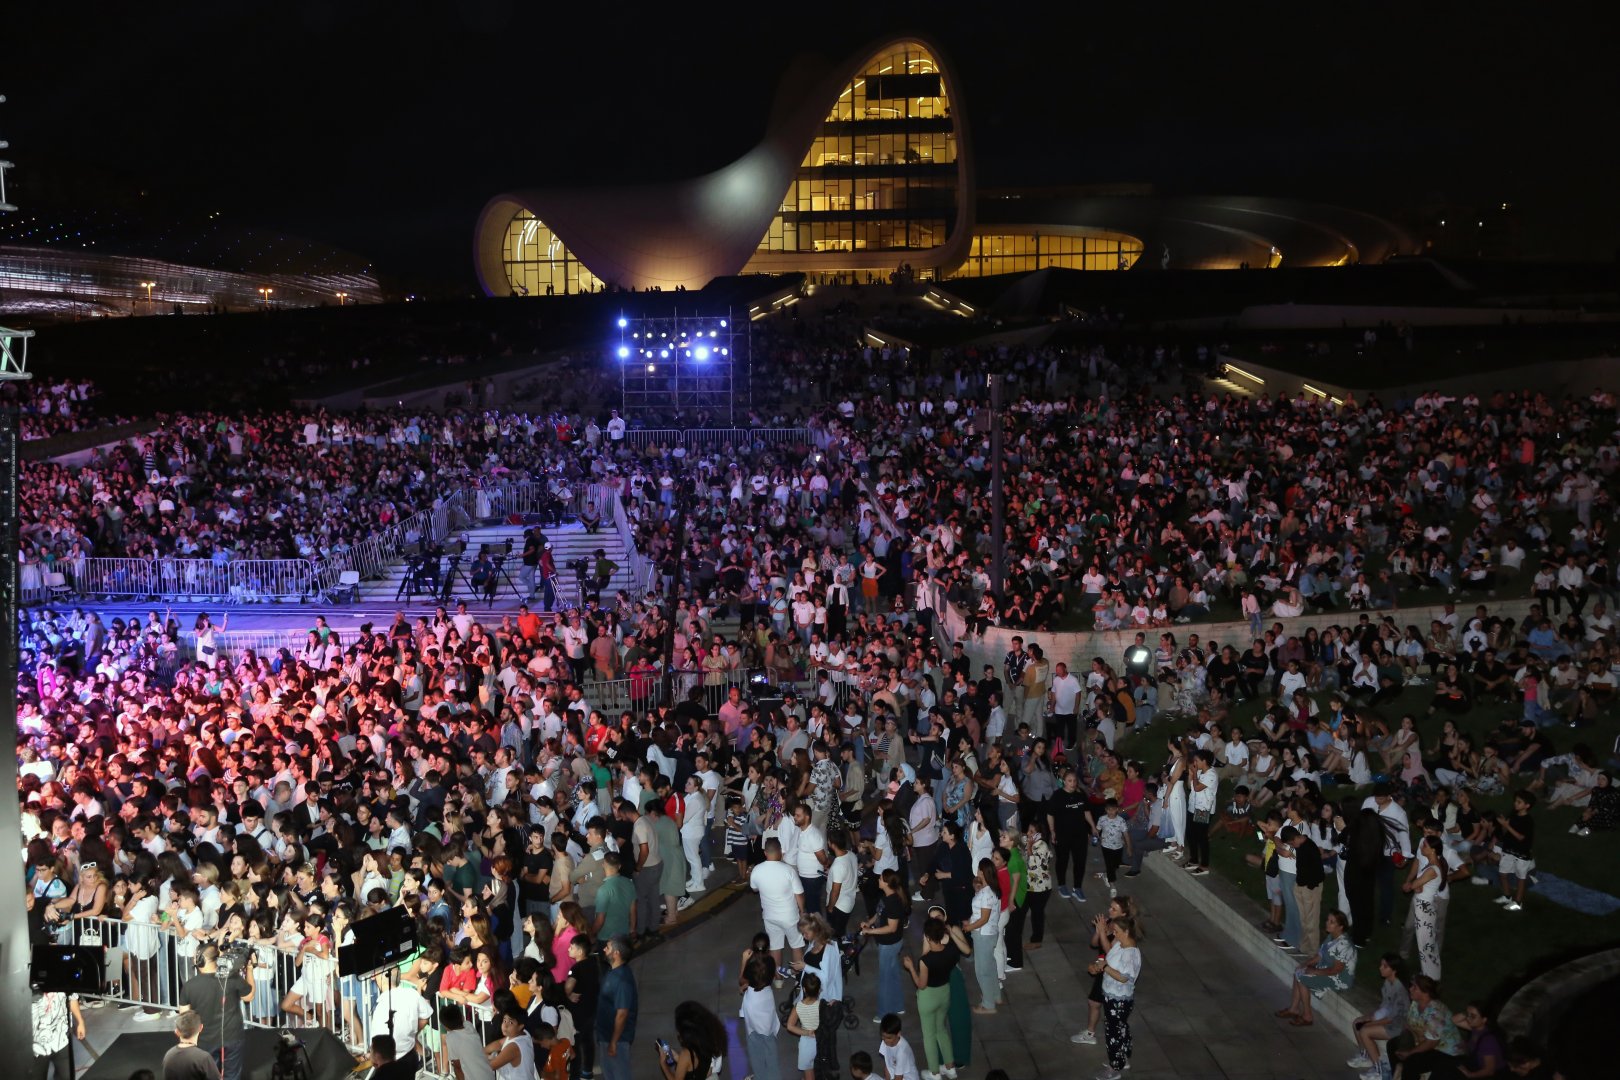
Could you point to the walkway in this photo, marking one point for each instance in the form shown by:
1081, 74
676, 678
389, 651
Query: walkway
1203, 1008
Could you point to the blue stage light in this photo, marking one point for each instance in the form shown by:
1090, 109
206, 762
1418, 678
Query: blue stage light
664, 354
624, 352
623, 322
702, 352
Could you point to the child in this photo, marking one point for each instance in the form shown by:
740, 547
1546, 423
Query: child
760, 944
554, 1053
1517, 838
759, 1017
737, 836
899, 1063
1235, 818
860, 1065
1114, 837
1267, 860
804, 1020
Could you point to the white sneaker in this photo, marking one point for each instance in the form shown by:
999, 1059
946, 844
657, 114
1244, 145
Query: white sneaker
683, 903
1501, 900
949, 1073
1112, 892
1109, 1073
1360, 1061
1085, 1038
1574, 830
926, 1075
1371, 1074
1513, 905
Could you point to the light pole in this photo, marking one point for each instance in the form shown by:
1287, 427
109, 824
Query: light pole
265, 292
342, 298
147, 285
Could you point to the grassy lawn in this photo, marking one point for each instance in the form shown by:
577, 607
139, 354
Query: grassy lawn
1488, 952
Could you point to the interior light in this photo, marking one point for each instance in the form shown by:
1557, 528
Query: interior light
624, 352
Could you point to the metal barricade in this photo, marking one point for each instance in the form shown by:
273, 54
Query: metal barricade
644, 438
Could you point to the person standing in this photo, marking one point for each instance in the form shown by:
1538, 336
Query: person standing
401, 1010
804, 847
1308, 877
616, 1008
218, 1003
1428, 887
51, 1012
760, 1020
1073, 824
1064, 699
1120, 970
648, 863
1012, 669
781, 901
886, 929
842, 880
1037, 687
187, 1060
942, 949
1200, 810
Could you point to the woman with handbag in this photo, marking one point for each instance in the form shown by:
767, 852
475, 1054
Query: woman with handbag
1200, 810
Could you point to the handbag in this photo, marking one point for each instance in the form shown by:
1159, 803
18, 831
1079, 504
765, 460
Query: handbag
1201, 816
90, 934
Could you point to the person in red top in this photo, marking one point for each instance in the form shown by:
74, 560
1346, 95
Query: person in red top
460, 978
528, 624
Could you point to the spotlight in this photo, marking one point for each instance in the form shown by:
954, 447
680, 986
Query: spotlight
683, 333
651, 368
623, 322
663, 335
722, 352
624, 352
702, 352
722, 323
664, 354
714, 333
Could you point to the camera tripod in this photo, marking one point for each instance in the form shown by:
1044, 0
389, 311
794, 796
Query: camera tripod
492, 584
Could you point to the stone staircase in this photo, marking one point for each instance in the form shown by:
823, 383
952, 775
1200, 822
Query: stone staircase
568, 542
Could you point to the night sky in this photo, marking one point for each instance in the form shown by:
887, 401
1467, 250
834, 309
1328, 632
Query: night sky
382, 128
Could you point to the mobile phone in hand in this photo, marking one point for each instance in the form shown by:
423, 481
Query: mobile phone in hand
669, 1055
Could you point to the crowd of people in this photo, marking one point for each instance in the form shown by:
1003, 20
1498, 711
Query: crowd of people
47, 407
178, 801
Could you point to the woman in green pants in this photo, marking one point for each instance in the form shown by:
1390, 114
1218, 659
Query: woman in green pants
943, 948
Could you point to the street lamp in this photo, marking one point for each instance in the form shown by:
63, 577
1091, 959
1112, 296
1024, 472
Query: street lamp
342, 297
147, 285
265, 292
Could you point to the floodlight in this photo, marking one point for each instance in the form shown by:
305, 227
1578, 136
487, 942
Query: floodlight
651, 368
664, 354
623, 322
722, 323
702, 352
624, 352
714, 333
722, 352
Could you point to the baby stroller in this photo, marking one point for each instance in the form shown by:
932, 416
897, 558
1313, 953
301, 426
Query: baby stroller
849, 958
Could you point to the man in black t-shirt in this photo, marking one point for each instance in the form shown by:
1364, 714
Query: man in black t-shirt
187, 1061
217, 1002
1071, 835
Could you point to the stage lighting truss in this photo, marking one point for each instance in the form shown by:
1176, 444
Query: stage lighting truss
682, 362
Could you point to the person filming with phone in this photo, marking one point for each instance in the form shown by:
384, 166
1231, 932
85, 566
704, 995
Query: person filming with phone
701, 1039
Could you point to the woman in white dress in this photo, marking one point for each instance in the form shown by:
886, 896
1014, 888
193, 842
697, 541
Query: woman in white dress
1175, 798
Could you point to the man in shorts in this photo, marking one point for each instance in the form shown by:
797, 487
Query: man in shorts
781, 901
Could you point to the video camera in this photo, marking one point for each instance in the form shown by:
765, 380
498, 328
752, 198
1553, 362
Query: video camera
233, 958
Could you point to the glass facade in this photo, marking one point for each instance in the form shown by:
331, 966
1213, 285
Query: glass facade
537, 264
881, 174
1011, 253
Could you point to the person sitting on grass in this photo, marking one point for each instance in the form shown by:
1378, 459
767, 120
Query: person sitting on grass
1235, 818
1333, 969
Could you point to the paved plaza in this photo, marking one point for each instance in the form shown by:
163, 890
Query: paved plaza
1203, 1008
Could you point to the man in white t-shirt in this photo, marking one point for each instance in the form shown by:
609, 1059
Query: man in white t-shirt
804, 847
1064, 700
841, 882
781, 901
404, 1007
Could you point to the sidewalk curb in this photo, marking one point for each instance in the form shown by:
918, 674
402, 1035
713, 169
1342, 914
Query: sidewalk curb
1229, 910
